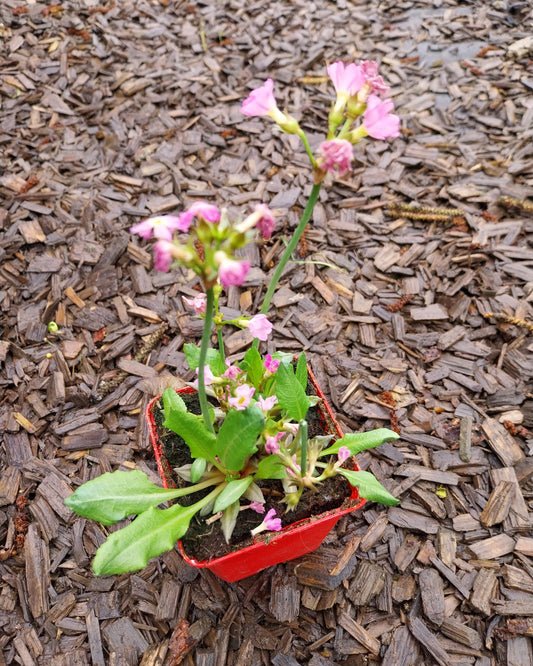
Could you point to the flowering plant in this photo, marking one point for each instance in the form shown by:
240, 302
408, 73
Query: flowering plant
252, 425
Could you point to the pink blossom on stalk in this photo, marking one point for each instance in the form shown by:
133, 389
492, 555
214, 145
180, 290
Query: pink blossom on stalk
230, 271
266, 221
243, 395
271, 364
198, 303
266, 404
337, 155
378, 120
272, 443
232, 372
343, 454
258, 507
202, 209
162, 227
347, 79
208, 376
373, 82
260, 327
261, 102
162, 255
271, 522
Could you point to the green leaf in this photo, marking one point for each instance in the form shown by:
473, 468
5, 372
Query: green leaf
150, 534
291, 395
229, 520
213, 359
197, 469
369, 487
231, 493
198, 438
301, 371
172, 401
253, 365
360, 441
270, 467
237, 437
113, 496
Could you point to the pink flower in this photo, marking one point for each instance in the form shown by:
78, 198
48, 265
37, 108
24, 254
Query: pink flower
343, 454
198, 303
161, 227
208, 376
162, 255
291, 428
373, 82
272, 443
257, 507
266, 221
337, 155
232, 272
271, 364
232, 372
271, 522
266, 404
378, 121
347, 79
201, 209
261, 101
260, 327
243, 395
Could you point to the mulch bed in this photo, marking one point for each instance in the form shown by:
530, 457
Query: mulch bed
411, 295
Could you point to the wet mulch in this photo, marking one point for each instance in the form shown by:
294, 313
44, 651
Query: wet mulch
412, 317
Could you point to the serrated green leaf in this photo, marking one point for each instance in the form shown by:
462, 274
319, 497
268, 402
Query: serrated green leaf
360, 441
369, 487
172, 401
231, 493
150, 534
270, 467
213, 358
254, 367
301, 371
197, 469
291, 395
191, 428
113, 496
237, 437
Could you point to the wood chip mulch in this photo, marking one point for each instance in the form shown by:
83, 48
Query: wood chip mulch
412, 295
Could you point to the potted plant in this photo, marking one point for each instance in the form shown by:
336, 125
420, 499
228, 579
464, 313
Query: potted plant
246, 428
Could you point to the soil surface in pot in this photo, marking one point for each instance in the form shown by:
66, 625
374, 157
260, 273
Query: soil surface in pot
204, 540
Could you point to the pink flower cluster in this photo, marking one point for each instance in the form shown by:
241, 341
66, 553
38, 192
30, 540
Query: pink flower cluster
349, 80
337, 155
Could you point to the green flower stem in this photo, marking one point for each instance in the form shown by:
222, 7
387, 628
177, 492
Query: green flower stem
307, 147
221, 344
206, 336
303, 445
306, 216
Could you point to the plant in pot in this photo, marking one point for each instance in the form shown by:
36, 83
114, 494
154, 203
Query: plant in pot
245, 427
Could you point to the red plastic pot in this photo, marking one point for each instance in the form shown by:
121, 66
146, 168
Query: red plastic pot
293, 541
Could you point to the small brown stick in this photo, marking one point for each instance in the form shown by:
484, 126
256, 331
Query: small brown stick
521, 323
148, 346
423, 212
511, 202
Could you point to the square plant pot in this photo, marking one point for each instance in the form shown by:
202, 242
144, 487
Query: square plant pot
295, 540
